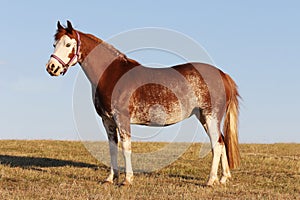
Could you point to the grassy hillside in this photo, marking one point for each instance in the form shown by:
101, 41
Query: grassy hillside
66, 170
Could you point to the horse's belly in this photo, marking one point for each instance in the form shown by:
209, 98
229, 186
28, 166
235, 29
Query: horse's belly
156, 105
156, 115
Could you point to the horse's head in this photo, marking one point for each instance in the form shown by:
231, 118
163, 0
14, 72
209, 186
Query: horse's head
66, 50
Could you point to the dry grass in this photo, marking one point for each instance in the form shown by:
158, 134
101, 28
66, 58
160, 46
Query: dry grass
66, 170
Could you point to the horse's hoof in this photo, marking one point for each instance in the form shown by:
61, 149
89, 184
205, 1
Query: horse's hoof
224, 180
110, 182
106, 182
212, 182
126, 183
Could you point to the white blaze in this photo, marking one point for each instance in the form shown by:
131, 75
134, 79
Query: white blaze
63, 48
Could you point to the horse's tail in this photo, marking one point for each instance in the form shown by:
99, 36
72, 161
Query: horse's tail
230, 128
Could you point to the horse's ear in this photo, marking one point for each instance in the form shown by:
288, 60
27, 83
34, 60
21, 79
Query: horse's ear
59, 26
69, 26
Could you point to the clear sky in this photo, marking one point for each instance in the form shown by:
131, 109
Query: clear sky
256, 42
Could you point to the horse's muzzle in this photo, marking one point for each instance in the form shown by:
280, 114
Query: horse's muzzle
54, 70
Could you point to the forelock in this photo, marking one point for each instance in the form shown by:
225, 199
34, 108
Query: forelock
61, 32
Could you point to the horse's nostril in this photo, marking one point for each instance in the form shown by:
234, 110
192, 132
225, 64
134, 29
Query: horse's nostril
52, 66
56, 70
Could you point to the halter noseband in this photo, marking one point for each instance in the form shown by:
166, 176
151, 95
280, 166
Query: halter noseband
66, 65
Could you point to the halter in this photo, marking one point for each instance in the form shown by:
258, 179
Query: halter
66, 65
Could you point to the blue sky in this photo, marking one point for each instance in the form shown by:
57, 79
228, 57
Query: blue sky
256, 42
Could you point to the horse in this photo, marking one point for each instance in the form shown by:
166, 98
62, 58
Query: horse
124, 91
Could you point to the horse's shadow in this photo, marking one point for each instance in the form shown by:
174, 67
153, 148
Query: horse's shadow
189, 180
39, 162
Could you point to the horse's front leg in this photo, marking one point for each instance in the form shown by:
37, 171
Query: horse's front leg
111, 130
125, 136
126, 149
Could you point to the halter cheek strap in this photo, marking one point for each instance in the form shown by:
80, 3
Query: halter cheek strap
67, 65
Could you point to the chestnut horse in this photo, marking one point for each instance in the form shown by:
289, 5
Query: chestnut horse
125, 91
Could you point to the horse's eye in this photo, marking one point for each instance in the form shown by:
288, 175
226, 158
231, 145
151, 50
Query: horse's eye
54, 45
68, 45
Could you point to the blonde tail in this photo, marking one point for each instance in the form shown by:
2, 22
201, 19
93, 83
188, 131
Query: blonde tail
230, 128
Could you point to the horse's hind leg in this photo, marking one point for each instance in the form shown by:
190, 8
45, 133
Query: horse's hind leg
212, 126
225, 167
111, 130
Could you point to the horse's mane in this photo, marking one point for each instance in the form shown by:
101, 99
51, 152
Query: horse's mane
112, 49
92, 37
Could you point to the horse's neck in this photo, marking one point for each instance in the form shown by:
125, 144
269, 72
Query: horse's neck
96, 56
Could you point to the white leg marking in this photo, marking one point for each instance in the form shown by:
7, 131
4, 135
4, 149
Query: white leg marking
225, 167
111, 130
213, 176
126, 147
214, 134
114, 172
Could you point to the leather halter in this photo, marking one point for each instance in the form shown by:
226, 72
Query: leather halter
67, 65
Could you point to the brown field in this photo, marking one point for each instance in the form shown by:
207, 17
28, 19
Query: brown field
66, 170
